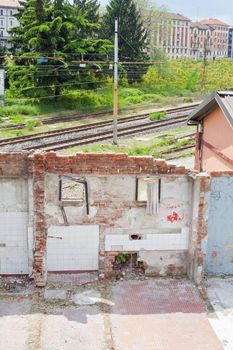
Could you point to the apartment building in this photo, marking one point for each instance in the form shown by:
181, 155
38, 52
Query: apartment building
220, 33
230, 43
173, 35
8, 9
178, 36
201, 40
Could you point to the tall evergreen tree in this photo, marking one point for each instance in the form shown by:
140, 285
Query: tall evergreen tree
89, 9
55, 29
132, 34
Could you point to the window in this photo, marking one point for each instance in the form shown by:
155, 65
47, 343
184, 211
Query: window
73, 191
1, 12
1, 33
148, 190
11, 13
1, 22
11, 23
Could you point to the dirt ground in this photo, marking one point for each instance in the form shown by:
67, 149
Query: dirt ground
137, 314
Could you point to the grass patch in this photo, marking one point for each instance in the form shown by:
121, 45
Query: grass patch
157, 116
31, 124
183, 143
188, 100
17, 109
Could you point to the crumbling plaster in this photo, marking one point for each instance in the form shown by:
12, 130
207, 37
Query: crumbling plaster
113, 207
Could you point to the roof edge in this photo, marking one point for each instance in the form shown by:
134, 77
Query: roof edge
208, 105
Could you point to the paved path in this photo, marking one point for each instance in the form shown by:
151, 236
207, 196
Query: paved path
154, 314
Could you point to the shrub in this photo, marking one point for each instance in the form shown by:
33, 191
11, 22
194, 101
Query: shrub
18, 119
128, 92
31, 124
152, 97
131, 100
14, 110
157, 116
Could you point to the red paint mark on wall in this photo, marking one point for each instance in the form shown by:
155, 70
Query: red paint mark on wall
174, 217
214, 254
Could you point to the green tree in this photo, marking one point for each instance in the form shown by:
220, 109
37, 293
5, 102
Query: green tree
54, 30
132, 35
158, 23
89, 9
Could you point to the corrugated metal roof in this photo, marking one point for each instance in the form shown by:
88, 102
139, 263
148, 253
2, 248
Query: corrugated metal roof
223, 99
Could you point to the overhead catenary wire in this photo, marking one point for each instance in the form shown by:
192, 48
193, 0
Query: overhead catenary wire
69, 84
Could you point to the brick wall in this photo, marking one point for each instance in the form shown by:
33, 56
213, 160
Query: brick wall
108, 164
13, 164
38, 165
196, 259
38, 174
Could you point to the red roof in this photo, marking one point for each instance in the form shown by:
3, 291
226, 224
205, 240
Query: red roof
214, 21
179, 17
10, 3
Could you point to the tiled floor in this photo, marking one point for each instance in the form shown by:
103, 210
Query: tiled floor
160, 315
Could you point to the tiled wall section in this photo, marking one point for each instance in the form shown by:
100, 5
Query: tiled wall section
163, 241
13, 243
73, 248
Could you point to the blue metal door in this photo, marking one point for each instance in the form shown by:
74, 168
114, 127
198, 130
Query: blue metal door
219, 255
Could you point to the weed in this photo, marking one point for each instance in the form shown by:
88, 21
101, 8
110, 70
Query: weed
121, 258
182, 143
188, 100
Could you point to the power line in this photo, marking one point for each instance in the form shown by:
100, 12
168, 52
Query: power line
73, 84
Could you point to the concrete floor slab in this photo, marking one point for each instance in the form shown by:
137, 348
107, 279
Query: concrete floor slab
81, 329
56, 294
14, 325
220, 294
89, 297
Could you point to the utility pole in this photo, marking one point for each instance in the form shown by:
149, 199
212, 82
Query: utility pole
2, 87
204, 64
115, 97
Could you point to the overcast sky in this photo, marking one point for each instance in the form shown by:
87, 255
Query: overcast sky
197, 9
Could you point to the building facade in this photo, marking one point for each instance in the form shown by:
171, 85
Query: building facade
201, 40
219, 37
177, 36
230, 43
8, 9
172, 35
213, 151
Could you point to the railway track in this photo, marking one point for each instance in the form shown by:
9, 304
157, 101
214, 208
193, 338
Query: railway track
77, 129
107, 135
76, 117
94, 132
